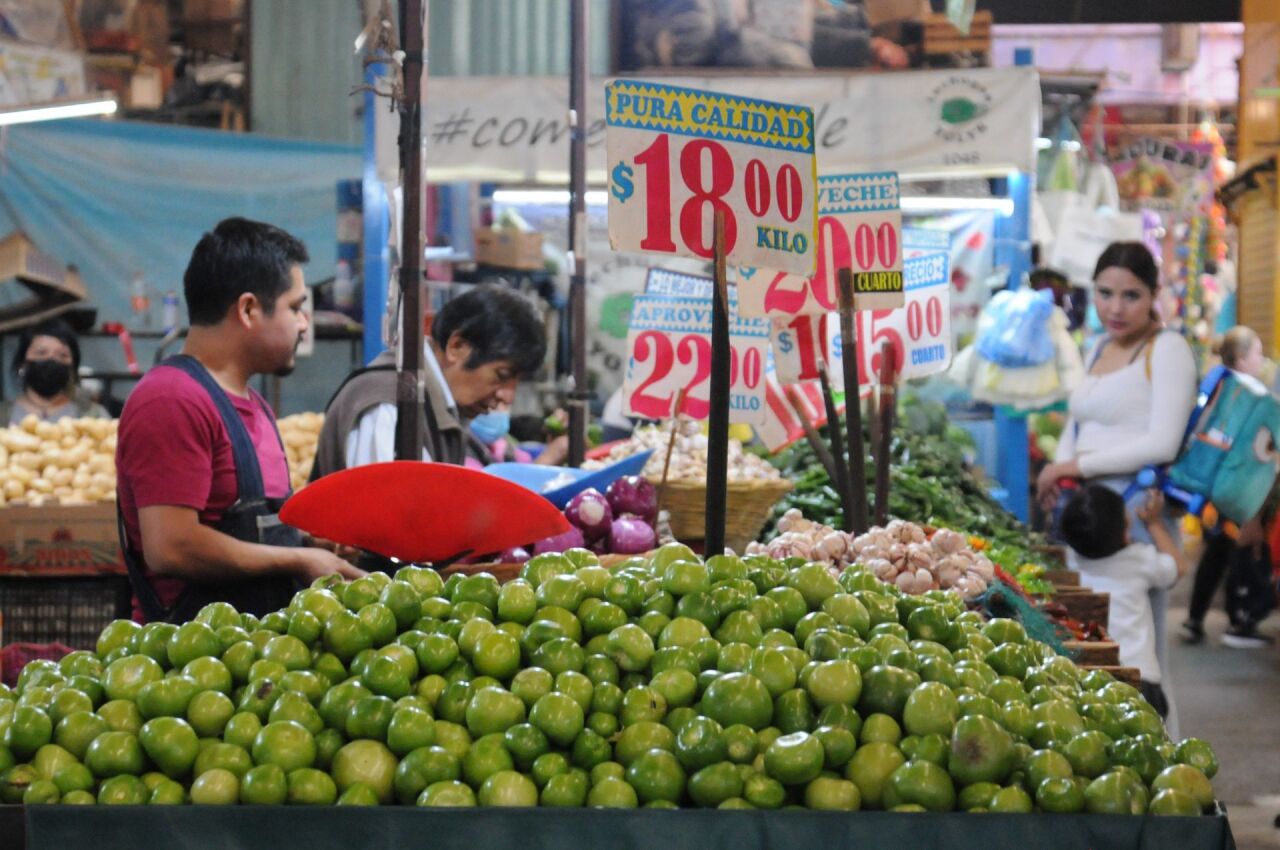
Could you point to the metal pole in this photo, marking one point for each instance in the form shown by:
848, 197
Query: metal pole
578, 395
409, 391
718, 422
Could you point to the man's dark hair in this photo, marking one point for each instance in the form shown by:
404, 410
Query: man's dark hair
1094, 522
499, 323
239, 256
56, 328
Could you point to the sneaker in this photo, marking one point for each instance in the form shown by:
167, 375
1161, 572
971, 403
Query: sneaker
1191, 631
1246, 637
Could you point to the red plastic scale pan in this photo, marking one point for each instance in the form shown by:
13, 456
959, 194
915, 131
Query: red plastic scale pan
421, 512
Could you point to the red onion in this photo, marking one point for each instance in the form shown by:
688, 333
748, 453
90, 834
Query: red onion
559, 543
514, 555
633, 494
631, 535
589, 511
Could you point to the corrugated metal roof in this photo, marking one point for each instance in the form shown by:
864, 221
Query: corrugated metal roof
517, 37
303, 67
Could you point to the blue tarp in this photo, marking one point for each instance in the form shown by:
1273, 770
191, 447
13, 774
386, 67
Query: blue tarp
116, 197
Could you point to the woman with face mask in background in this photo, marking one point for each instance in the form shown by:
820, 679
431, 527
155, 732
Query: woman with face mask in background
47, 363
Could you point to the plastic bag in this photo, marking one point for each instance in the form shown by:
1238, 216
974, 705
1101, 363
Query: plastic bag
1018, 334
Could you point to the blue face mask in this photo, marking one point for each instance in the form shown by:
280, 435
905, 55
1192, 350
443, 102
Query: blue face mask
491, 427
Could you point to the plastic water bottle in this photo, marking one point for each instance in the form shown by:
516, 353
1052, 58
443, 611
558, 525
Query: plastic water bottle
140, 301
344, 288
169, 311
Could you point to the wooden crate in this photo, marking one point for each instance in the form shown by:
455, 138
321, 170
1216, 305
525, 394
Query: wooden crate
1094, 653
1062, 578
941, 37
1087, 606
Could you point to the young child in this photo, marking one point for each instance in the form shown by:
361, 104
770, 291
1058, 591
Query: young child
1094, 525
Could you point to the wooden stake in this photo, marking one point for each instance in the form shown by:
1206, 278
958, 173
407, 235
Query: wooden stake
811, 434
852, 405
835, 432
671, 444
888, 406
718, 423
410, 412
579, 395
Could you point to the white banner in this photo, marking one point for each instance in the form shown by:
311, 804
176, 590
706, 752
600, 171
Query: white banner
512, 129
34, 75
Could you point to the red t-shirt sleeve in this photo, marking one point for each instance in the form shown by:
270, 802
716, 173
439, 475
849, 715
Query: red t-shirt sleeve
168, 456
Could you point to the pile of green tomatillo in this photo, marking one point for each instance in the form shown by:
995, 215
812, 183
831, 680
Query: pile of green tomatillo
663, 681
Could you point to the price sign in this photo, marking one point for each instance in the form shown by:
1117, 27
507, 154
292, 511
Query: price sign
678, 155
918, 241
919, 332
859, 228
669, 348
781, 426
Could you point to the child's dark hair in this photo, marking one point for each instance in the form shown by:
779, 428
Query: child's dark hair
1094, 522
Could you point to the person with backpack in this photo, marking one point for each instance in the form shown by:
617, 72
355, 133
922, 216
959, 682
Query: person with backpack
1132, 408
1241, 554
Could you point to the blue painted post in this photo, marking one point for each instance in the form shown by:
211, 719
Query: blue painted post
1013, 251
377, 224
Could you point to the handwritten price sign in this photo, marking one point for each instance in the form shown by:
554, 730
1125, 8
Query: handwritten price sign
919, 332
669, 348
678, 155
859, 228
782, 426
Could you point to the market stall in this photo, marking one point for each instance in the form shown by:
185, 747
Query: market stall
875, 638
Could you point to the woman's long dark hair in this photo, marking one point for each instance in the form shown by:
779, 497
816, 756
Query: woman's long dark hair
1133, 257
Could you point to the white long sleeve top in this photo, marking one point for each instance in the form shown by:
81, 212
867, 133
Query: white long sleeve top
1125, 420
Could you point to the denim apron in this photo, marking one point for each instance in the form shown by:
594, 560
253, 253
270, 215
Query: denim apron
252, 518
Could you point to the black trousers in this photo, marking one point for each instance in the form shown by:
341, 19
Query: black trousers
1218, 549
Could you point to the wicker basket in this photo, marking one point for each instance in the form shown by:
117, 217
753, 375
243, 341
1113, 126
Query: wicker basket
749, 504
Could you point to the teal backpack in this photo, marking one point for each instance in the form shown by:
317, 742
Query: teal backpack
1229, 456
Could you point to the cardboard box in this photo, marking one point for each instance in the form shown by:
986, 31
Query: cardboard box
60, 540
51, 287
510, 249
206, 10
887, 11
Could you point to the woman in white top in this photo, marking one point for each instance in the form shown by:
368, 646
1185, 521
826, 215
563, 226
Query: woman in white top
1132, 408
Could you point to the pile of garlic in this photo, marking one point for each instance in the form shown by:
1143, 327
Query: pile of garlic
803, 538
300, 433
69, 462
901, 553
688, 455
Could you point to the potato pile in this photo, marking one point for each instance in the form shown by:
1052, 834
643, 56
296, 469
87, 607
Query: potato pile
71, 462
300, 433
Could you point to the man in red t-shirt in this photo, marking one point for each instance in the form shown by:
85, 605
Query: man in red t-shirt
200, 467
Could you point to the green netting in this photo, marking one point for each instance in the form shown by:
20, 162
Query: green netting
1001, 601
